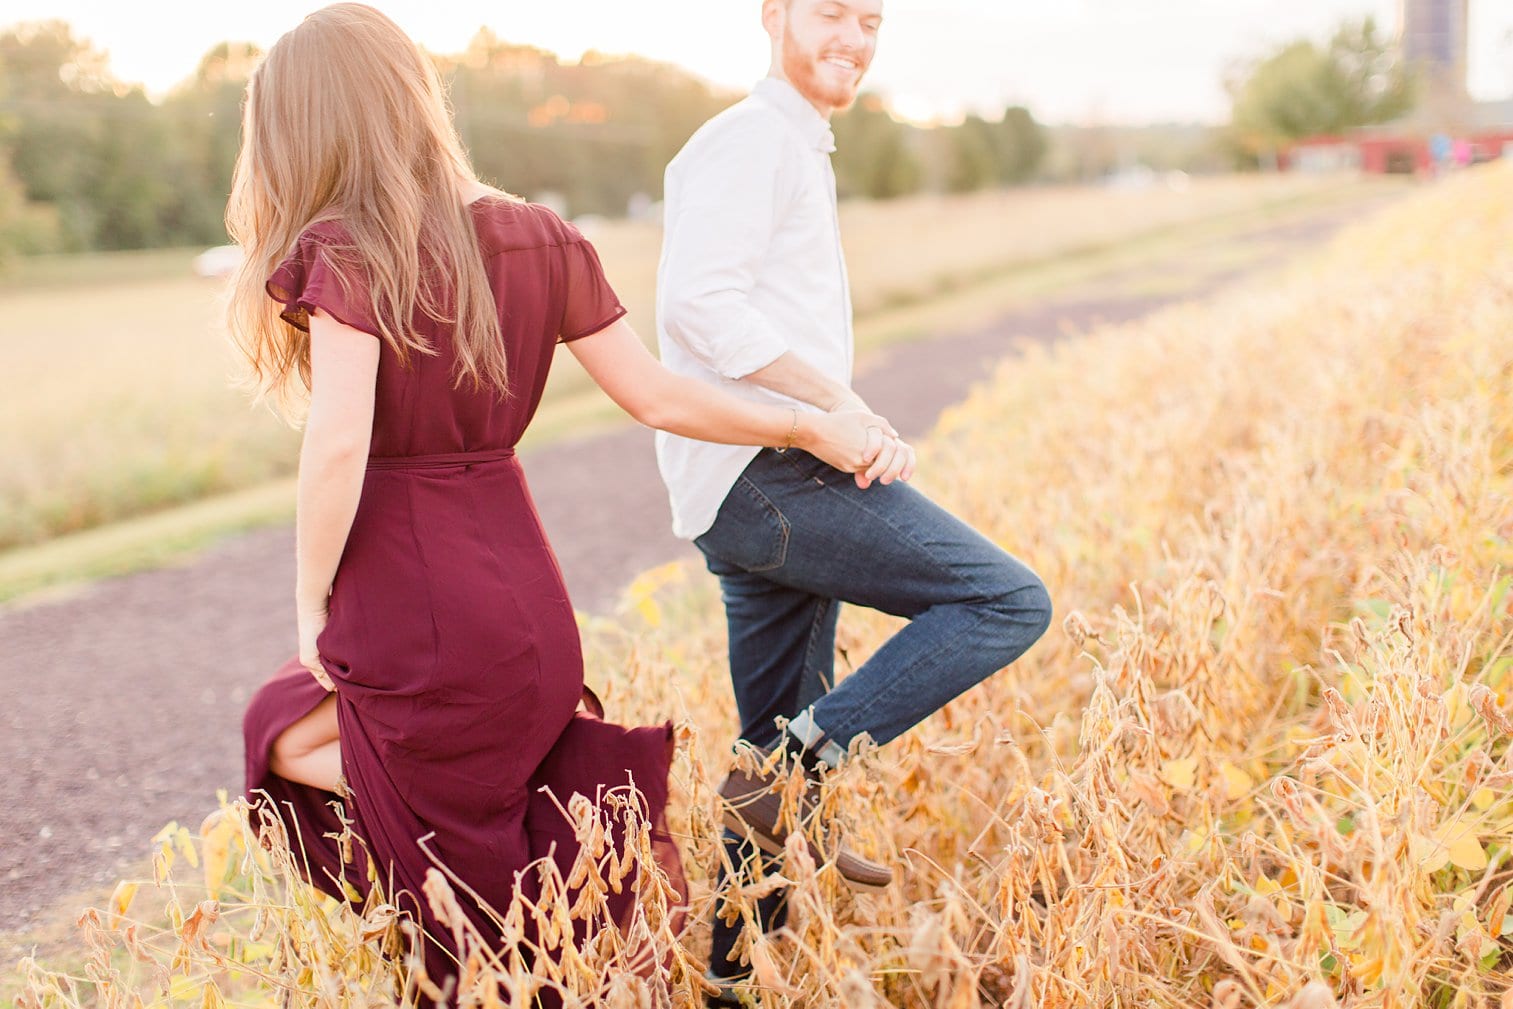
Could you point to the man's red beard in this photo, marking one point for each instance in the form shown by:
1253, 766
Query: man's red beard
802, 70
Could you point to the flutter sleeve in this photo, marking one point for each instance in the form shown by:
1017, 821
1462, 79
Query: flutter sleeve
322, 272
591, 304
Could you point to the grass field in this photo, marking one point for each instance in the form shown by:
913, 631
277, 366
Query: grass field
1264, 761
120, 402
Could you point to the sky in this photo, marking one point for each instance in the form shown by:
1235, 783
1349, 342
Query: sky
1069, 61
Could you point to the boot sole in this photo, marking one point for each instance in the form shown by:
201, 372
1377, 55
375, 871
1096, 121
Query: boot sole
734, 822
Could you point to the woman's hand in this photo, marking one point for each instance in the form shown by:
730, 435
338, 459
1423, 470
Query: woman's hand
857, 442
312, 620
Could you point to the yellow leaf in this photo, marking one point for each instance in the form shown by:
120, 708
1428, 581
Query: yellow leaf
162, 863
185, 841
1435, 856
1467, 852
1455, 703
1453, 844
217, 856
1483, 798
1367, 968
120, 901
1180, 774
1266, 887
1237, 784
1497, 914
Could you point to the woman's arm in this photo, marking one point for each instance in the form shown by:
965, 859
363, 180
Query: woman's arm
332, 461
851, 441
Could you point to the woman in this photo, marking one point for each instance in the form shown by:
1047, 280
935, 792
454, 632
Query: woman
420, 310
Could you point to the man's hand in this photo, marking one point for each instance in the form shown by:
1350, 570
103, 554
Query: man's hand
886, 457
895, 460
857, 442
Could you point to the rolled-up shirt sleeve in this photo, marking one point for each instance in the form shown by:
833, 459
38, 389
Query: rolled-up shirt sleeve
732, 200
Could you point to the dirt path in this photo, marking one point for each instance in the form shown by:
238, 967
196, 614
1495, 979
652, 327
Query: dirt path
123, 701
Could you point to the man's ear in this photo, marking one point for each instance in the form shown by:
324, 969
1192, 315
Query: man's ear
774, 13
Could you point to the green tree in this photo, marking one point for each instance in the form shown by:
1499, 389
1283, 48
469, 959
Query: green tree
136, 187
598, 132
204, 118
94, 149
1303, 90
26, 228
973, 156
1020, 145
873, 152
49, 81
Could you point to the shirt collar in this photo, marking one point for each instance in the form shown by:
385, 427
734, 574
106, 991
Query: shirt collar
787, 100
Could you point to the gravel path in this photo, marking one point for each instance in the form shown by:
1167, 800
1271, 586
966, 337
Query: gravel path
124, 700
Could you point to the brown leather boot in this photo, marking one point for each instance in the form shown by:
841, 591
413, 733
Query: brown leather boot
753, 803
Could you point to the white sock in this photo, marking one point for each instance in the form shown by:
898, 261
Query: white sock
815, 740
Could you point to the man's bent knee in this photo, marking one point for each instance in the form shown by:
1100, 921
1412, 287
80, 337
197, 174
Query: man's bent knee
1022, 613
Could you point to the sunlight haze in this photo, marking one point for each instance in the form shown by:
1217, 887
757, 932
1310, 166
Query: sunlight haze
1076, 61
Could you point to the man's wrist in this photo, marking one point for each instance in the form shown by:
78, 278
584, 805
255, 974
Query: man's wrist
848, 401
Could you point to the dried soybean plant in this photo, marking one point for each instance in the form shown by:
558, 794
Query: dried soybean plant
1265, 760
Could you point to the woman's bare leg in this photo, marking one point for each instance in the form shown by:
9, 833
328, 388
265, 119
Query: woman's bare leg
309, 751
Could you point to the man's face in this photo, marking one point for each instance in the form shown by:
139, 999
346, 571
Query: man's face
827, 46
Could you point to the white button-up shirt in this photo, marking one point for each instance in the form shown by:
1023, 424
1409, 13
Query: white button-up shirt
751, 267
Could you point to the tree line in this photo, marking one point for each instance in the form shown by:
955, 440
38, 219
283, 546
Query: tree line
87, 162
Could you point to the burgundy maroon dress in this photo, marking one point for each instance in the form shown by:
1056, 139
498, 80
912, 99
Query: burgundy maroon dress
451, 641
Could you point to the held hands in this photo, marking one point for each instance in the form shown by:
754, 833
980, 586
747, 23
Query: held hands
312, 620
858, 441
895, 460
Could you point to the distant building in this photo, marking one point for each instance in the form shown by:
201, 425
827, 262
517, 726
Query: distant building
1392, 149
1433, 38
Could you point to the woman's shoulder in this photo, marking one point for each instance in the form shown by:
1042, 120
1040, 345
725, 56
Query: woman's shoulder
315, 245
324, 231
509, 224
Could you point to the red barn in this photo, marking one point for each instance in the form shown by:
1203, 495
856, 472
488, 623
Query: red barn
1404, 147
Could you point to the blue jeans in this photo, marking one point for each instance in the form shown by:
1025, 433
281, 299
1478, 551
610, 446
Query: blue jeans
794, 539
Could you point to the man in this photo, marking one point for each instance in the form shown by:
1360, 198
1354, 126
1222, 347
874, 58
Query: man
753, 297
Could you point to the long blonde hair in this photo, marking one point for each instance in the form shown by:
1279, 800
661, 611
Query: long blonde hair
345, 120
